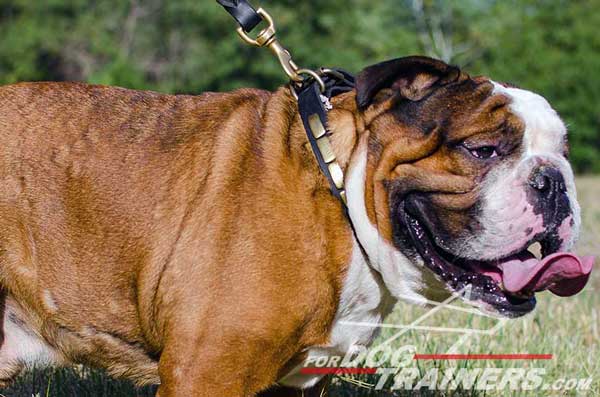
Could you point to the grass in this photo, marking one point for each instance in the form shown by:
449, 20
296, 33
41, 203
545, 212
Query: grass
567, 328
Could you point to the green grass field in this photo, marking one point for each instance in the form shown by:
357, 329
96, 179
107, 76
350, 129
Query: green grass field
567, 328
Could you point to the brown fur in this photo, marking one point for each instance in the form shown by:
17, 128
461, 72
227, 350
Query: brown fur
196, 232
193, 240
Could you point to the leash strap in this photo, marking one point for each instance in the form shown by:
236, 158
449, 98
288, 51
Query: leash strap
245, 15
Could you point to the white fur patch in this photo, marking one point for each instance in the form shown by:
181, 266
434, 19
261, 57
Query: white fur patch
22, 345
405, 279
545, 139
507, 218
363, 300
544, 130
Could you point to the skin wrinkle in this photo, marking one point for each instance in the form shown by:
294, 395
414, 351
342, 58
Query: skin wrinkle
156, 300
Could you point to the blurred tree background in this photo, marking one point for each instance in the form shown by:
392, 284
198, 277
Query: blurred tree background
189, 46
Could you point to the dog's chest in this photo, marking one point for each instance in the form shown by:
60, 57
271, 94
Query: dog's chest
363, 304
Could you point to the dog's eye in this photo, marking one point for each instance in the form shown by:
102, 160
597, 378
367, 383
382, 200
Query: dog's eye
484, 152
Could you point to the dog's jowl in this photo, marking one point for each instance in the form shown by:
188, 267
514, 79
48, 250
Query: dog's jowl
194, 242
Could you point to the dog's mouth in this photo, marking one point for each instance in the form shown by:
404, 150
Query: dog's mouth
505, 286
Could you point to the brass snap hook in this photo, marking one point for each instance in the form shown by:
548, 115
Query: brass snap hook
267, 38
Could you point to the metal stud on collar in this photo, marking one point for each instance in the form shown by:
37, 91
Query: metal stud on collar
324, 146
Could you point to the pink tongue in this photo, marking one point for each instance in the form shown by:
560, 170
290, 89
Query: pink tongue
564, 274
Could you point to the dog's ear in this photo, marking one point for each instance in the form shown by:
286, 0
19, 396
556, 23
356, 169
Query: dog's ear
411, 77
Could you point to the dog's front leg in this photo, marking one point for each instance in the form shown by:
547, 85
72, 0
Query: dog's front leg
220, 364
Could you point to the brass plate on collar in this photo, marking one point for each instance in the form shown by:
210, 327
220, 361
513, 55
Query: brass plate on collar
336, 174
316, 126
343, 196
326, 150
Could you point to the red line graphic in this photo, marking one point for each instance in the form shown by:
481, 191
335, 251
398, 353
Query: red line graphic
336, 371
514, 356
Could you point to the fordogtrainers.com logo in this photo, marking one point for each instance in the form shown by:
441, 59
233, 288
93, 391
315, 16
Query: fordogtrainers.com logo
399, 369
466, 345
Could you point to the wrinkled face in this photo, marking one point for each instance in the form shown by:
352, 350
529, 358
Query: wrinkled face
454, 179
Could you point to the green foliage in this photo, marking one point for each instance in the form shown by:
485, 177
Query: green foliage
549, 46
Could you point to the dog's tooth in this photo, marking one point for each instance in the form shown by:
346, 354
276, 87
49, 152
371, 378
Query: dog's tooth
536, 249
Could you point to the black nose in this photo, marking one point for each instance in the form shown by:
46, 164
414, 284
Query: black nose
549, 195
548, 181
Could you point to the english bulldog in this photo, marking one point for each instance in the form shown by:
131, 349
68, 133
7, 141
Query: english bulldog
192, 241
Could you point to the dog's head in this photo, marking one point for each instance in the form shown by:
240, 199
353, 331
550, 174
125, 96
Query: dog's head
454, 179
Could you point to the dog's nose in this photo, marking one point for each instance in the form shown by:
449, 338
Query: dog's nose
549, 195
547, 181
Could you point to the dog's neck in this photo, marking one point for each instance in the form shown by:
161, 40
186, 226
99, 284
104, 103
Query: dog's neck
345, 126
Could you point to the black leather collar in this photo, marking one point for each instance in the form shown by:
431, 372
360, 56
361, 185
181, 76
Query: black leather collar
313, 107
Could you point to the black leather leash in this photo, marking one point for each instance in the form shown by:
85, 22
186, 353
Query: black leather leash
312, 89
245, 15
